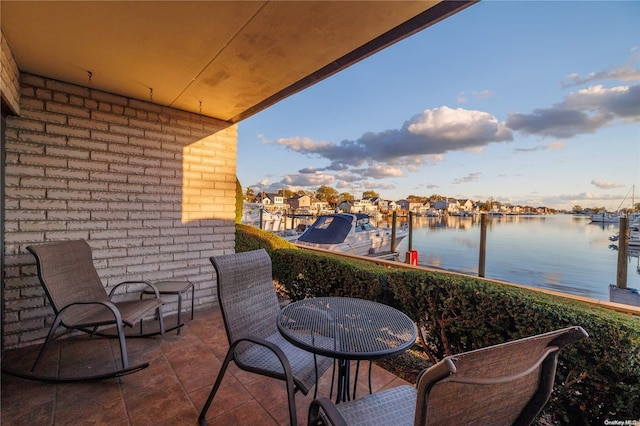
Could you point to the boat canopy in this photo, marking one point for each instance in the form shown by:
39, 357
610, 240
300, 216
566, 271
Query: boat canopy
331, 229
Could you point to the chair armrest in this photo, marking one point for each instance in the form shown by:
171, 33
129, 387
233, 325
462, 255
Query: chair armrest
109, 305
328, 414
147, 283
286, 365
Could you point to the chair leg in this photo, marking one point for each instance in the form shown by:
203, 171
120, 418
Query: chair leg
123, 346
52, 330
216, 385
160, 319
333, 375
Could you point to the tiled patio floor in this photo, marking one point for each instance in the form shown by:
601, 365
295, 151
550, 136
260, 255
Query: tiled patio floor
171, 391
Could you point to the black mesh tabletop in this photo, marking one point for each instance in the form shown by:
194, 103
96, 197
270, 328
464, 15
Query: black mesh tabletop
347, 328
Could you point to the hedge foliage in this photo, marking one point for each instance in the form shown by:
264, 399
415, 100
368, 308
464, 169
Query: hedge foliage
597, 379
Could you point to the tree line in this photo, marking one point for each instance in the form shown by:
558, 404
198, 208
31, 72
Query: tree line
333, 197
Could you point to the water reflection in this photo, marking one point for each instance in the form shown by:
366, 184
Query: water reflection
561, 252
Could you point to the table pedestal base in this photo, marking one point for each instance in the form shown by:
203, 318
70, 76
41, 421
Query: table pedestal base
344, 380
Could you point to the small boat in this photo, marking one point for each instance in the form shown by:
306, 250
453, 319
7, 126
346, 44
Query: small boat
604, 217
634, 237
349, 233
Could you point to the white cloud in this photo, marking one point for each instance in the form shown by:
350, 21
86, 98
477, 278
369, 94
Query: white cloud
314, 180
581, 112
605, 185
627, 74
471, 177
557, 145
425, 137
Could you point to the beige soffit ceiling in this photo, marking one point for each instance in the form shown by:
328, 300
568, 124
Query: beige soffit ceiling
226, 60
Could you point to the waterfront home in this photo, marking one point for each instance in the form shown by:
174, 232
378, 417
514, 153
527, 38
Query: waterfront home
272, 202
411, 206
299, 203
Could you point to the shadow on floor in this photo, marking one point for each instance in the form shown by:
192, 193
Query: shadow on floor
171, 391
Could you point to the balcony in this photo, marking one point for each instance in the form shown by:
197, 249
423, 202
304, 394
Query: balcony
171, 391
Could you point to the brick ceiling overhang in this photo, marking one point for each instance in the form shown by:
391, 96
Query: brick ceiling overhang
226, 60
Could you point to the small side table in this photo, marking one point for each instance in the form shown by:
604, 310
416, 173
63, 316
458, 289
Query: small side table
175, 288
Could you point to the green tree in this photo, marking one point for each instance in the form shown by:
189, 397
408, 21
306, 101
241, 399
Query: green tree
286, 193
345, 196
370, 194
249, 194
577, 209
487, 205
417, 199
239, 201
326, 193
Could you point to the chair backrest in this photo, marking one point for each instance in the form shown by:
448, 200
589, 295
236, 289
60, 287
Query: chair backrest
506, 384
67, 273
246, 294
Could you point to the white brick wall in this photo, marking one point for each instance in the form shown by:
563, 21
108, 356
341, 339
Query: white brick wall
150, 188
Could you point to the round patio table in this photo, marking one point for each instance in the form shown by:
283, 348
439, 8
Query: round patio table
346, 329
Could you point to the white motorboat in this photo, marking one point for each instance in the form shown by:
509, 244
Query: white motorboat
349, 233
604, 217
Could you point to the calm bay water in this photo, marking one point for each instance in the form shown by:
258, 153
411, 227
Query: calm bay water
558, 252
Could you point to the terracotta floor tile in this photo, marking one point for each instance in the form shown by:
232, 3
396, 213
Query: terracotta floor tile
101, 393
250, 413
195, 366
230, 395
106, 412
155, 405
171, 391
14, 413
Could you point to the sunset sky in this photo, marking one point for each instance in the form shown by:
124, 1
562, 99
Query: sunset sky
534, 103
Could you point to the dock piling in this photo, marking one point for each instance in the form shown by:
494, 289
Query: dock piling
484, 218
623, 242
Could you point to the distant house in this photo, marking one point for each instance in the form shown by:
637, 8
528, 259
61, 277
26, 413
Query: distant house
264, 199
300, 202
410, 206
453, 206
466, 205
345, 206
320, 207
271, 202
423, 209
374, 200
365, 205
393, 206
440, 206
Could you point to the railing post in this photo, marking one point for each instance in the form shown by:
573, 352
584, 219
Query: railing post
393, 231
410, 230
261, 210
484, 218
621, 281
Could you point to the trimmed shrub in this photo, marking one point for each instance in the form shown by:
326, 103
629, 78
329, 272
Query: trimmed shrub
597, 379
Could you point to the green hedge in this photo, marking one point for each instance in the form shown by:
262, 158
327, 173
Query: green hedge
598, 378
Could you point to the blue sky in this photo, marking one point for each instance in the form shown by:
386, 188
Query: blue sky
534, 103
